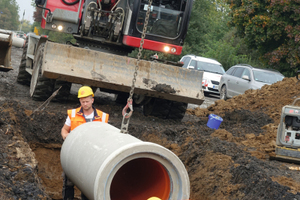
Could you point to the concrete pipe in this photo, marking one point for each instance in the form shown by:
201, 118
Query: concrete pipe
108, 165
17, 42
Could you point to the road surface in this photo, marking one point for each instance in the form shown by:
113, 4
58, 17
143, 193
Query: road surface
209, 100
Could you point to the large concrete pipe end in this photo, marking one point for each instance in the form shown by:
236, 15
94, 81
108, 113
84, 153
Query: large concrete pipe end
108, 165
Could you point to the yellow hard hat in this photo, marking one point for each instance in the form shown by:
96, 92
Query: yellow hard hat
85, 91
154, 198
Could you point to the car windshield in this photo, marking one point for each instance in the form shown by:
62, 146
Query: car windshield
210, 67
267, 77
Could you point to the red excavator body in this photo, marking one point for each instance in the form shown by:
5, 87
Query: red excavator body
119, 24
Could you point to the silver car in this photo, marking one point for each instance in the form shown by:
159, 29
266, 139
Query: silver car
240, 78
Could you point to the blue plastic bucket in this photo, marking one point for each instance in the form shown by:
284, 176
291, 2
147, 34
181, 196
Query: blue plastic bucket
214, 121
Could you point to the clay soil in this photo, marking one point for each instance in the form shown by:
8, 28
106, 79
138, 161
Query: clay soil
229, 163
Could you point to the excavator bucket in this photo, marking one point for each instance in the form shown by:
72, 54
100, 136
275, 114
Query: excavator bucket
114, 72
5, 50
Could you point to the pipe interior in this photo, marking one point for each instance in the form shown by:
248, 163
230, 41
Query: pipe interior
140, 179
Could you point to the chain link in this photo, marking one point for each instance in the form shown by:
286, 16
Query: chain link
140, 49
126, 116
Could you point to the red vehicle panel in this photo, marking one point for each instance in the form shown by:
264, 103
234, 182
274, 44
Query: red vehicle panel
151, 45
58, 4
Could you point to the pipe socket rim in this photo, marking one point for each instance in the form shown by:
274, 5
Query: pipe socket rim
180, 186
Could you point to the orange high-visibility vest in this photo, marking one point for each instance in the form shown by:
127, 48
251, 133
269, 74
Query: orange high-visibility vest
77, 118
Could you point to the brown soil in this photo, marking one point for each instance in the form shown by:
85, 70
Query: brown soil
229, 163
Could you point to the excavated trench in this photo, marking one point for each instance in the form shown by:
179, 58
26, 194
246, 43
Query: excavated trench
221, 164
228, 163
49, 169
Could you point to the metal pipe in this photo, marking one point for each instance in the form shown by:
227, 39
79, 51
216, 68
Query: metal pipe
108, 165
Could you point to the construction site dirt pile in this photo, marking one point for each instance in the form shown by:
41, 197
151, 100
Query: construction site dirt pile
228, 163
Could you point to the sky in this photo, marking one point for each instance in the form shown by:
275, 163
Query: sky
26, 5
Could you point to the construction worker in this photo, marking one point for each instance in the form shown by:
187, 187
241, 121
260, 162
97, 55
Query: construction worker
85, 113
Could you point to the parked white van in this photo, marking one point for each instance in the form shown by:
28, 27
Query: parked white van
212, 71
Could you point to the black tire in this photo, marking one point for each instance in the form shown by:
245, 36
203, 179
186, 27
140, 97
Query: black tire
64, 92
165, 109
23, 76
140, 100
94, 89
223, 93
41, 88
121, 98
177, 110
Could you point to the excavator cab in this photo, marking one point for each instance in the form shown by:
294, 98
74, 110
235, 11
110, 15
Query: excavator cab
167, 25
119, 24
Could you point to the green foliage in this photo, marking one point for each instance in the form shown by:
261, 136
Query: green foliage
199, 26
26, 26
272, 27
210, 36
228, 55
230, 51
9, 18
208, 23
60, 37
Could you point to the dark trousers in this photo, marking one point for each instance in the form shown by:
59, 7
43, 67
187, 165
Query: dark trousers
68, 189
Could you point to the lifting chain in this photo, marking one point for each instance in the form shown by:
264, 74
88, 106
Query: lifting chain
127, 115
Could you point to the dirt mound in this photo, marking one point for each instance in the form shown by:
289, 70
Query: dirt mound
224, 163
228, 163
269, 99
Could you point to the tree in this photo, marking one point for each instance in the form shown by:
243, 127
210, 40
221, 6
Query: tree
272, 27
199, 26
37, 15
9, 17
26, 26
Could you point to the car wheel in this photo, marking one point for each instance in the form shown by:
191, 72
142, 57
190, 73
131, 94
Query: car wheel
223, 93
